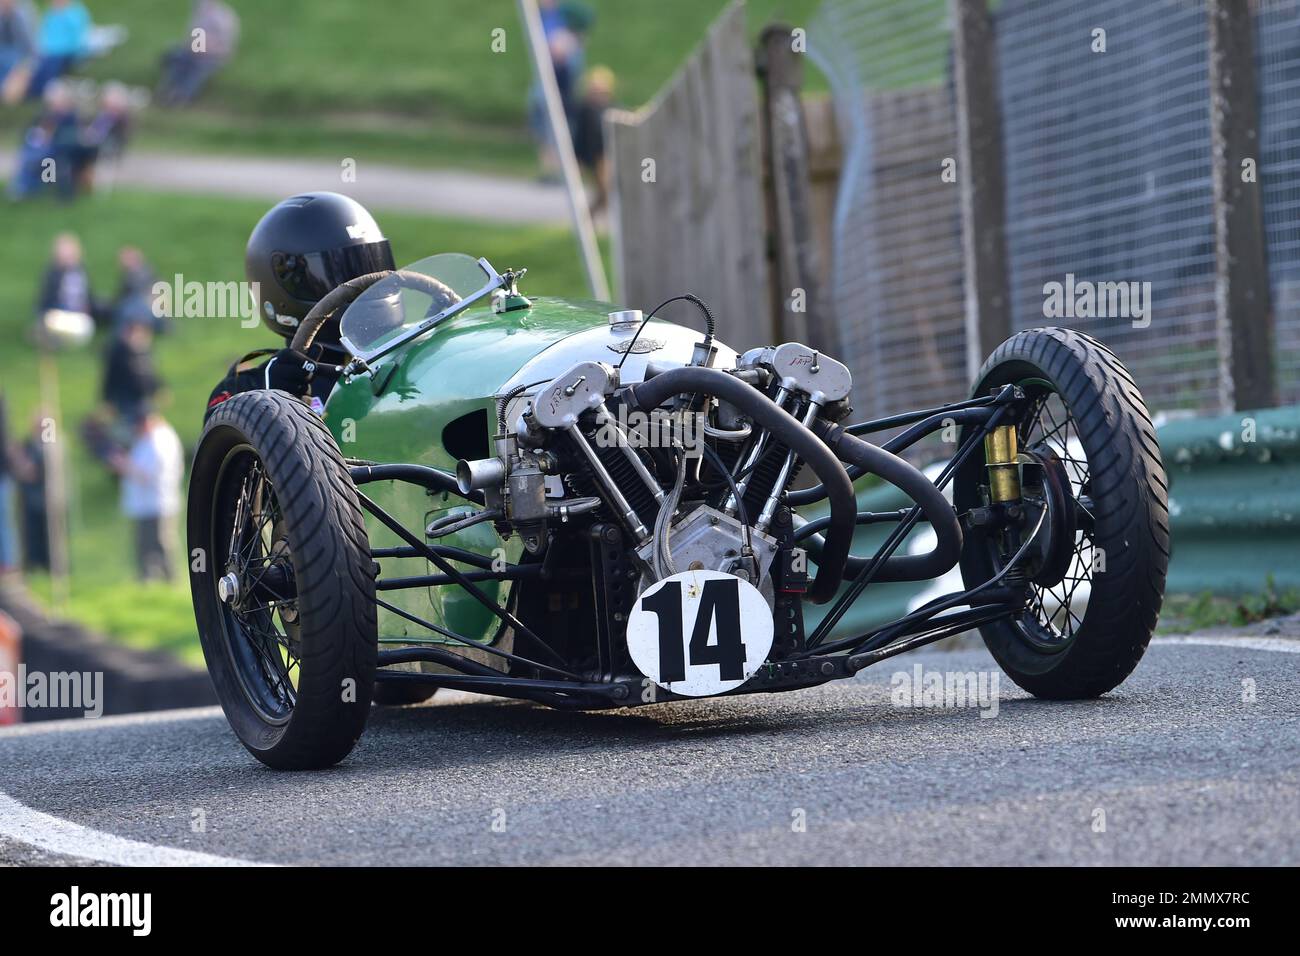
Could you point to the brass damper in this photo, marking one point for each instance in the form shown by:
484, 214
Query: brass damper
1000, 456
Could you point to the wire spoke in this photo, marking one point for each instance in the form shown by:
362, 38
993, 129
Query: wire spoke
1048, 424
252, 554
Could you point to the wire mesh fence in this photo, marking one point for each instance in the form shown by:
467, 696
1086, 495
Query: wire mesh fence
1109, 196
896, 280
1277, 32
1106, 134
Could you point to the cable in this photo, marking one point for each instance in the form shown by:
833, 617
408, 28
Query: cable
508, 397
741, 513
662, 557
729, 434
453, 524
709, 324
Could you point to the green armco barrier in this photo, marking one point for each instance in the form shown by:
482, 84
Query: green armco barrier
1234, 503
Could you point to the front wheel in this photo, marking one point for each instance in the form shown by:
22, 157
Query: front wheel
1090, 458
282, 581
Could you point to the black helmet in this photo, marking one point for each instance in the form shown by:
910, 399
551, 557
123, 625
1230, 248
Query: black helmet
304, 248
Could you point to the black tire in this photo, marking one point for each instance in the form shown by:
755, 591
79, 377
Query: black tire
293, 654
401, 694
1122, 484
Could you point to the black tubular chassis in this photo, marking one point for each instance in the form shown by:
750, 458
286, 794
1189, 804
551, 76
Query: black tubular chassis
813, 659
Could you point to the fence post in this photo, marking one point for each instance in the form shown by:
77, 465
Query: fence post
687, 203
1243, 303
980, 173
795, 264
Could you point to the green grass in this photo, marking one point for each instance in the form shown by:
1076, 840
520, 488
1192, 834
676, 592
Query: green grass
203, 239
412, 81
1186, 613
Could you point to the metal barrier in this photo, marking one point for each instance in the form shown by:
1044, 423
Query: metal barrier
1234, 501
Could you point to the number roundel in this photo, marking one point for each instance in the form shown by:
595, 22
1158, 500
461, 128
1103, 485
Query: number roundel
699, 633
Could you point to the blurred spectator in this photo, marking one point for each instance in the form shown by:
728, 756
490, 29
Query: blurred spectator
17, 48
8, 546
186, 68
63, 40
151, 470
589, 130
66, 285
30, 472
578, 18
135, 296
563, 26
131, 380
48, 148
105, 136
97, 431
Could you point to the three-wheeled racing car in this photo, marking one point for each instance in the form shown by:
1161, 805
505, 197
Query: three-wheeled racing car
549, 500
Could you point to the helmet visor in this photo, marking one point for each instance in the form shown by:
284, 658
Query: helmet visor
311, 276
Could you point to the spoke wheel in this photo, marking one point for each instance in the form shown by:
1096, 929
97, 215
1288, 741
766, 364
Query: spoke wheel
283, 581
259, 614
1096, 570
1056, 478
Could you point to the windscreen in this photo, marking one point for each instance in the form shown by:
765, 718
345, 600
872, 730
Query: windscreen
391, 308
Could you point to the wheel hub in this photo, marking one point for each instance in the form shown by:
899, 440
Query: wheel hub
228, 588
1048, 481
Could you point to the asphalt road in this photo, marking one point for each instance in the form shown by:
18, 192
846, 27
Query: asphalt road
1184, 770
438, 192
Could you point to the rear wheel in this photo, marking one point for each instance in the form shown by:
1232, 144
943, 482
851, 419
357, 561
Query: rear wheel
1090, 460
282, 581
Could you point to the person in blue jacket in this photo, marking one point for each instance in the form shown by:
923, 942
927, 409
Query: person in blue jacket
48, 148
63, 40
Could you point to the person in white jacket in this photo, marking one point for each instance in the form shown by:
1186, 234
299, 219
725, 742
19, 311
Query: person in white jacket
151, 471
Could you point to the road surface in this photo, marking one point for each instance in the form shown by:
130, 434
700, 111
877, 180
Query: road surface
460, 194
1177, 766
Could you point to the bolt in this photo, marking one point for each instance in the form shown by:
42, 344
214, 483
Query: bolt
228, 588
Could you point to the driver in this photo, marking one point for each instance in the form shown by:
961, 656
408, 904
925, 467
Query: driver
300, 251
